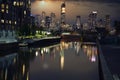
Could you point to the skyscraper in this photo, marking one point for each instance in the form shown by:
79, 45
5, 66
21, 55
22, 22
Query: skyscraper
37, 20
107, 22
43, 19
78, 22
100, 23
63, 11
47, 22
53, 20
92, 20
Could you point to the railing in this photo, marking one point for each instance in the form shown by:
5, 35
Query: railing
104, 72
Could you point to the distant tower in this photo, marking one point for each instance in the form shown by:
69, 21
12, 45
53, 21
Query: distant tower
43, 14
63, 13
47, 21
100, 23
107, 22
53, 20
53, 17
37, 20
78, 22
43, 19
93, 20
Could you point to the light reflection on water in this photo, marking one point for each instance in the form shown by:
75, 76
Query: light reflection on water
64, 61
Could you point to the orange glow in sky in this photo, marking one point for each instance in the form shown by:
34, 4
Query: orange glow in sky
75, 8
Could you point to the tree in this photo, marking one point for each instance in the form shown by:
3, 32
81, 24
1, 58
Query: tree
24, 30
33, 30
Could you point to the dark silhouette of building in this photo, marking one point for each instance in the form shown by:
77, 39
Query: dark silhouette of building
107, 22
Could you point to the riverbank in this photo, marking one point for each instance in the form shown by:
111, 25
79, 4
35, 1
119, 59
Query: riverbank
44, 41
111, 54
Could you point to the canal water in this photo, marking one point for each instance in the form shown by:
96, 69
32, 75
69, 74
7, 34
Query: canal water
64, 61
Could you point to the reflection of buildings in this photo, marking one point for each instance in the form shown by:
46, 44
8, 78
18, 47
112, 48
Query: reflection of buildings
8, 67
77, 46
62, 58
91, 52
15, 67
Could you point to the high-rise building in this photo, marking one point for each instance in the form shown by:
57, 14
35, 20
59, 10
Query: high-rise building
92, 20
78, 22
100, 23
13, 15
53, 20
107, 22
33, 20
37, 20
63, 11
43, 19
47, 20
85, 26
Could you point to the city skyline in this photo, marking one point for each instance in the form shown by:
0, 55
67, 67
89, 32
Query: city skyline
75, 8
115, 1
59, 39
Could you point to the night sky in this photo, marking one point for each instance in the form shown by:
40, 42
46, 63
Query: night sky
78, 7
116, 1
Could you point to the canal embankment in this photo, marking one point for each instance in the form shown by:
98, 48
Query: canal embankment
39, 42
104, 71
112, 57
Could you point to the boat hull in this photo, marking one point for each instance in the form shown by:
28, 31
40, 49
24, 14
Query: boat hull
44, 42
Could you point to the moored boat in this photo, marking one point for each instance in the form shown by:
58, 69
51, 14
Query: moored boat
44, 41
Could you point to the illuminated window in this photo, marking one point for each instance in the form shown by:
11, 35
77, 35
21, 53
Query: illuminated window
9, 21
6, 11
63, 10
24, 12
29, 2
17, 3
14, 3
21, 3
7, 6
15, 22
2, 10
2, 5
2, 21
23, 69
